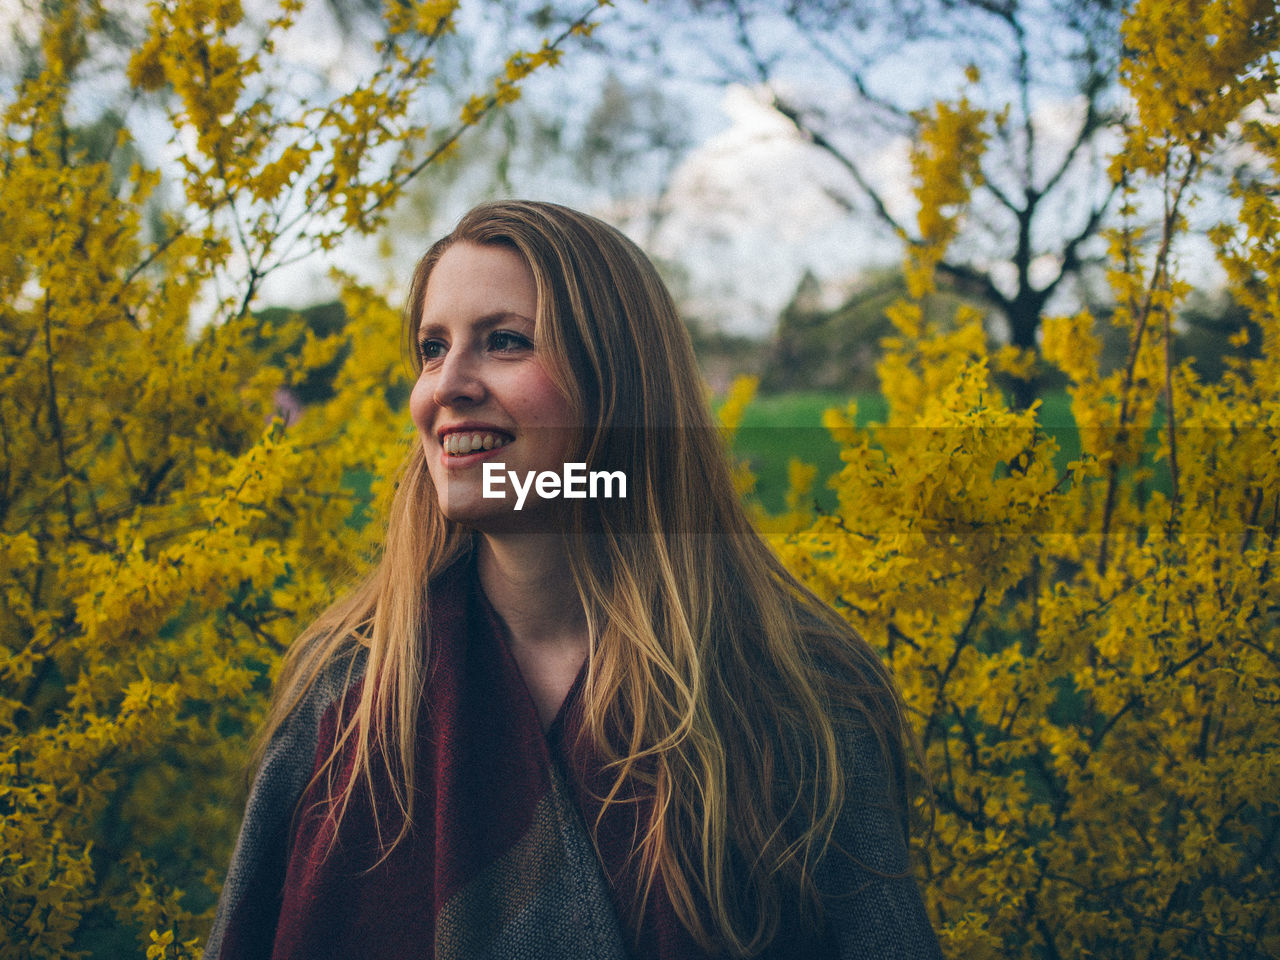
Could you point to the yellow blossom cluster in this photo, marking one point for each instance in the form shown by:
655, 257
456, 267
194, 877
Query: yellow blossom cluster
945, 168
1090, 651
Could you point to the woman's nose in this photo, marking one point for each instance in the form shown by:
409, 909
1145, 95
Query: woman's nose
457, 380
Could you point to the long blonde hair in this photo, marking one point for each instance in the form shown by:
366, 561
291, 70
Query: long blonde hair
691, 616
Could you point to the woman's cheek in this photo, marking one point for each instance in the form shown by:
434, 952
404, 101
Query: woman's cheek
421, 406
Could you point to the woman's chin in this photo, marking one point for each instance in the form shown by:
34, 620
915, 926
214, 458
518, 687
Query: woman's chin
498, 516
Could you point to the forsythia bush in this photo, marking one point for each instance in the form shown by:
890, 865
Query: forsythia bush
1091, 655
162, 535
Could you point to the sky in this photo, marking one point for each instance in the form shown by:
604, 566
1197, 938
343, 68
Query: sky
747, 209
751, 215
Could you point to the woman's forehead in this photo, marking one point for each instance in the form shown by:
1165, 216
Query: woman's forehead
471, 282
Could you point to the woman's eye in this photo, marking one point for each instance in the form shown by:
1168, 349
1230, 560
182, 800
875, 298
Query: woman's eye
505, 341
430, 350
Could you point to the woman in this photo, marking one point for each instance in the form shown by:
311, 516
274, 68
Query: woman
553, 725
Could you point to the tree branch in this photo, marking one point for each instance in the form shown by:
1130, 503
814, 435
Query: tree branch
975, 282
821, 142
1071, 260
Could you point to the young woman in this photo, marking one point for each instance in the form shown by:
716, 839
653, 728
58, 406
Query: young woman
585, 714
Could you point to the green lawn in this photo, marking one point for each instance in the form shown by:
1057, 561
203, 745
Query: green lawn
777, 428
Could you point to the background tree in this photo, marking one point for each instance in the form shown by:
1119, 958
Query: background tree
284, 335
851, 76
1213, 330
838, 349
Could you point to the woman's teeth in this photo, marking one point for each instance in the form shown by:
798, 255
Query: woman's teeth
458, 444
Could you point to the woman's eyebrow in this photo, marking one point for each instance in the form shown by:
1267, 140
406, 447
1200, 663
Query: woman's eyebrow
482, 324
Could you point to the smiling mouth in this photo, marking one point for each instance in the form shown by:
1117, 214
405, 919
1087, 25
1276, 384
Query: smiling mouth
463, 443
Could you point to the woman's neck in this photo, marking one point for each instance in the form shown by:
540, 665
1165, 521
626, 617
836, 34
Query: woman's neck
527, 580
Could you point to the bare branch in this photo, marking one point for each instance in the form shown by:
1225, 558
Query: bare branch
1093, 121
1004, 199
853, 74
823, 143
743, 30
1071, 259
1023, 73
976, 283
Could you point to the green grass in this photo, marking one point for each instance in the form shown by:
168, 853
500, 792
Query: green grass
1056, 420
775, 429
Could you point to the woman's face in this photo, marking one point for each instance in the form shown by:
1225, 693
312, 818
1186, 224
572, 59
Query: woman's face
483, 395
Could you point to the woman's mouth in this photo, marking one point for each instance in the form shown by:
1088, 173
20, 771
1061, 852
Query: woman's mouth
462, 443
